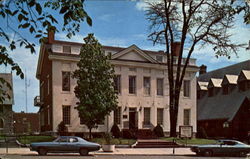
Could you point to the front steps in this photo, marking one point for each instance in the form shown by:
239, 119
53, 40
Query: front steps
155, 143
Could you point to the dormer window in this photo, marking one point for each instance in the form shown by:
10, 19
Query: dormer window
67, 49
244, 80
159, 58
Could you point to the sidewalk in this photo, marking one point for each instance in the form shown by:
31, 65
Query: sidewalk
118, 151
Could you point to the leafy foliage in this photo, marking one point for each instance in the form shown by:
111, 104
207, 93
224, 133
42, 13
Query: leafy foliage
94, 88
35, 17
158, 130
192, 23
115, 130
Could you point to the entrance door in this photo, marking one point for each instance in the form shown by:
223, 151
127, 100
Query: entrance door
133, 118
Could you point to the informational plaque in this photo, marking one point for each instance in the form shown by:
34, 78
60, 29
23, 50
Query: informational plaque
185, 131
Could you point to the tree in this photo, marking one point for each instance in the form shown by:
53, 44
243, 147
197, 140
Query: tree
192, 23
36, 18
94, 88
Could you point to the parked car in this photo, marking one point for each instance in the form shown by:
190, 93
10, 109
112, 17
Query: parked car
65, 144
222, 147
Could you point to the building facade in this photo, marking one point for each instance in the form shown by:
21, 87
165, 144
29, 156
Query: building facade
6, 114
26, 123
141, 83
224, 102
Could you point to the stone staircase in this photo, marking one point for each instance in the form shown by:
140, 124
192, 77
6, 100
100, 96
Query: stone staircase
155, 143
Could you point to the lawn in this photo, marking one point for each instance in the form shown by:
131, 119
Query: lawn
30, 139
192, 141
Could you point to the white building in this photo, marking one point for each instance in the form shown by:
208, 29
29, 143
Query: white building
141, 81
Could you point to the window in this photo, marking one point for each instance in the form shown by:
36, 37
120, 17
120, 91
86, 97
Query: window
62, 139
117, 116
159, 58
146, 85
48, 115
146, 116
186, 88
159, 86
244, 85
186, 117
132, 69
132, 84
66, 49
66, 114
117, 84
160, 116
66, 81
48, 84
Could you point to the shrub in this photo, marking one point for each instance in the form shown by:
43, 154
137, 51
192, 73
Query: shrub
107, 138
158, 131
115, 130
61, 128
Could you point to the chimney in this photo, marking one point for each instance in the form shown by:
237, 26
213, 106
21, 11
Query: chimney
175, 48
51, 34
203, 69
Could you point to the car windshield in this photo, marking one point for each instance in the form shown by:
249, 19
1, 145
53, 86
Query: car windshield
61, 139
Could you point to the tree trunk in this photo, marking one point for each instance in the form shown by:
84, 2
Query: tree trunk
173, 111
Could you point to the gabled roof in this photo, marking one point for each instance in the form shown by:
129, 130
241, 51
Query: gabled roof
230, 70
214, 82
8, 78
139, 54
221, 106
229, 79
244, 75
202, 85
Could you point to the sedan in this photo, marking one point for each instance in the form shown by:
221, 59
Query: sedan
222, 147
65, 144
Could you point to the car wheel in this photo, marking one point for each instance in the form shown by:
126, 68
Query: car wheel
243, 153
83, 152
42, 151
208, 153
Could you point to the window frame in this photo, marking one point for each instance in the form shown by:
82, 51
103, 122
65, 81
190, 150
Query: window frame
66, 119
132, 89
186, 88
185, 121
64, 77
146, 89
117, 86
159, 91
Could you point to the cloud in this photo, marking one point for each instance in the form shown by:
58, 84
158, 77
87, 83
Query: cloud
141, 6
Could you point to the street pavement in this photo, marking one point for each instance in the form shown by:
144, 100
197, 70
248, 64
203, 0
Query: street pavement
118, 151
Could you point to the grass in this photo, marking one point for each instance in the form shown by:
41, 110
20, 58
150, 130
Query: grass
192, 141
115, 141
30, 139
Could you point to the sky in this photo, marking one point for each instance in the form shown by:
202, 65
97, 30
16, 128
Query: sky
115, 23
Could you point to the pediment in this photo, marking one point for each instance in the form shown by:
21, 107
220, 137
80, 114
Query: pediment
133, 53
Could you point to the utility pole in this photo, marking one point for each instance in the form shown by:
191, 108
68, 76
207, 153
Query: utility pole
27, 84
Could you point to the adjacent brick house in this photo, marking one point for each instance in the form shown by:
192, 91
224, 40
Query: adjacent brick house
224, 102
26, 123
141, 83
6, 114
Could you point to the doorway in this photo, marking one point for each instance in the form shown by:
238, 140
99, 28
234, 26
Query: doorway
133, 118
